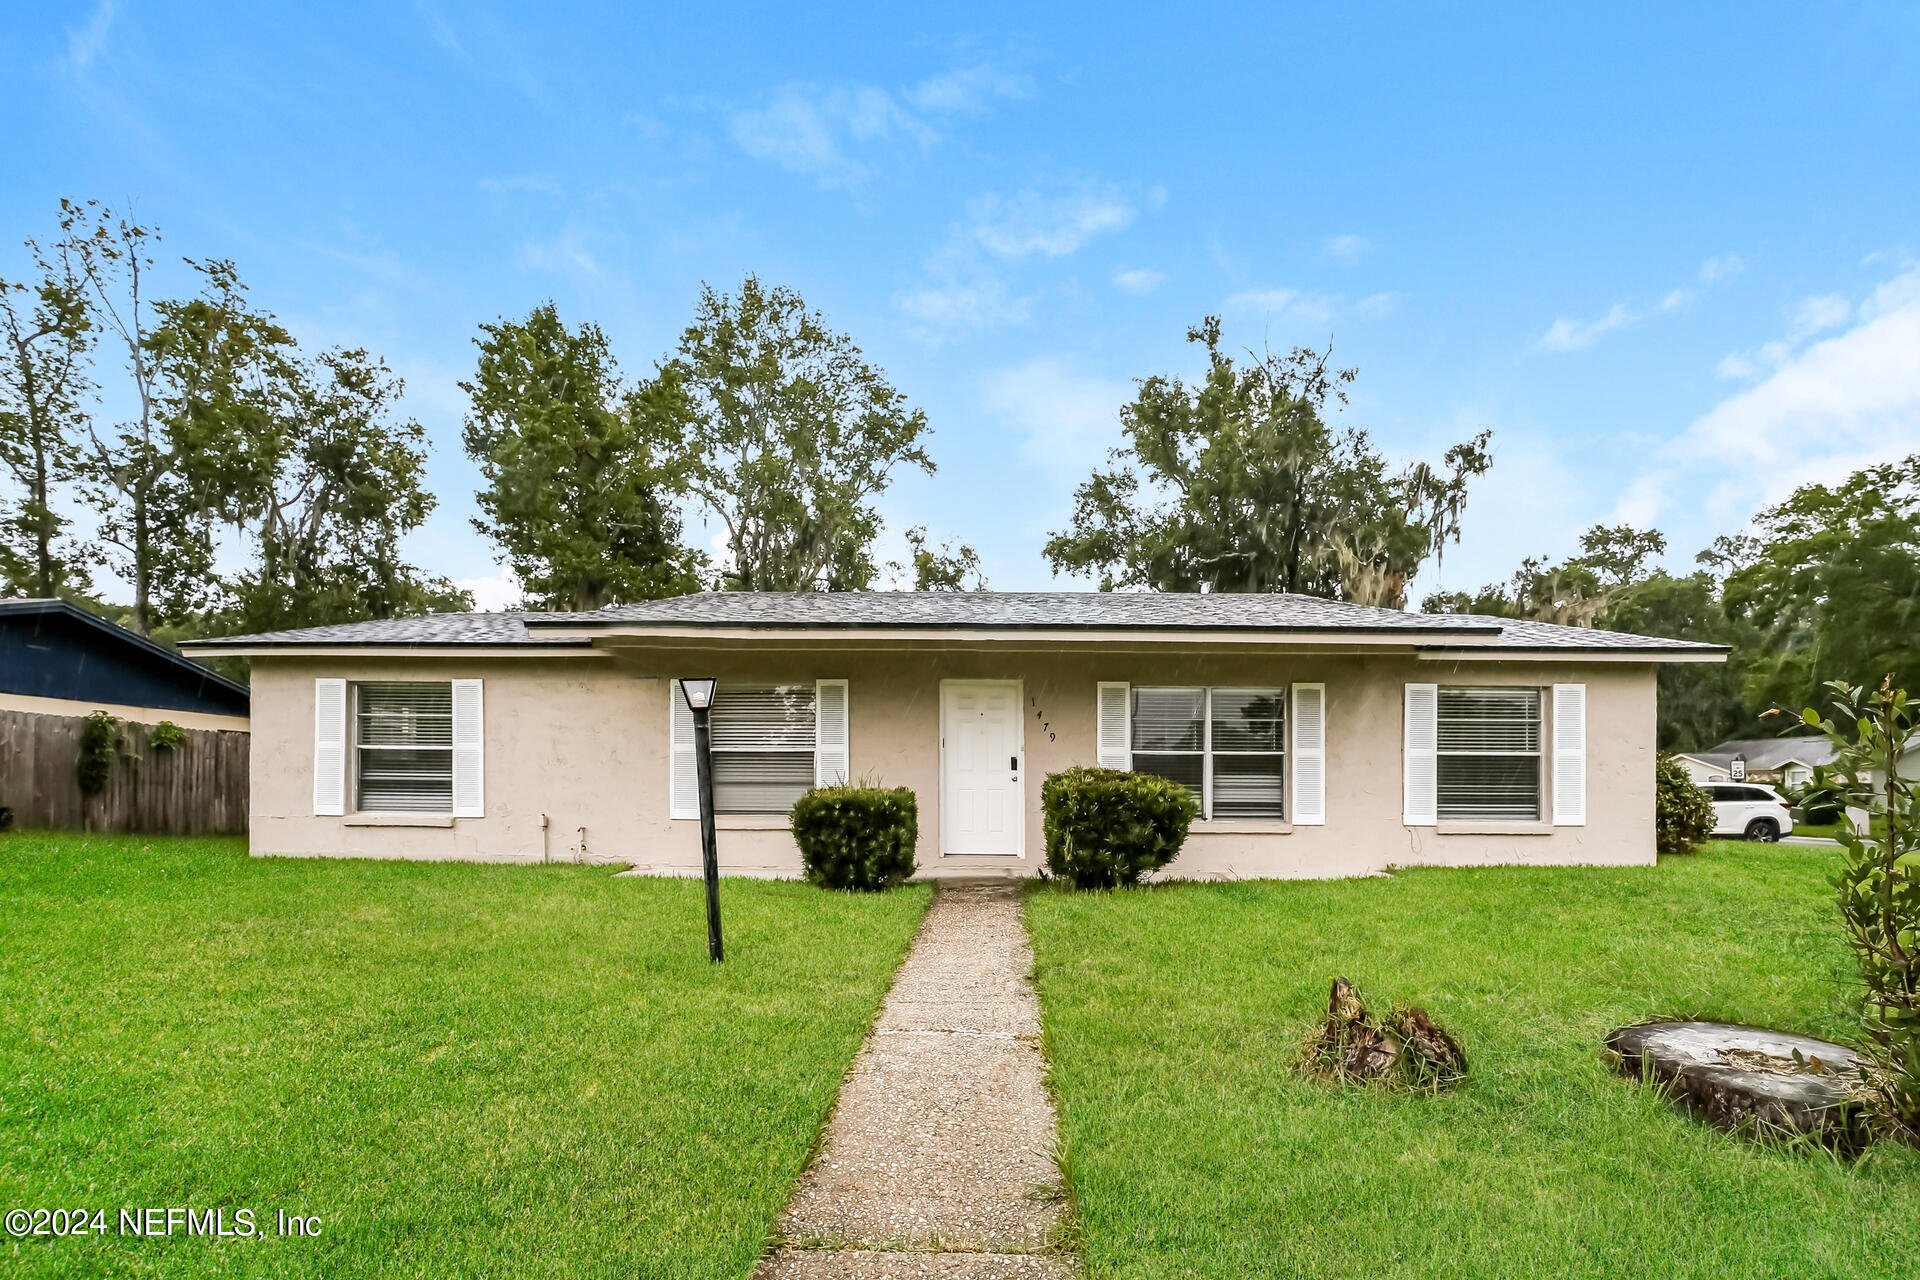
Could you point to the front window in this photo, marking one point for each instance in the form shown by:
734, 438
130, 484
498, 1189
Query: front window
1489, 754
1227, 746
762, 736
403, 746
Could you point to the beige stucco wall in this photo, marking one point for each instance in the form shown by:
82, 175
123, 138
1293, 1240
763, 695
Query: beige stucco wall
576, 743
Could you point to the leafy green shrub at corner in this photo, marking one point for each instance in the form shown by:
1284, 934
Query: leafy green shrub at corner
167, 736
1682, 811
857, 837
1107, 828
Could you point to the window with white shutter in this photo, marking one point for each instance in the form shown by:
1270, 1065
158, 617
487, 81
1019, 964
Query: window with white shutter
1488, 754
1420, 799
1228, 746
683, 789
1309, 754
1570, 755
469, 751
403, 746
1114, 737
329, 747
830, 761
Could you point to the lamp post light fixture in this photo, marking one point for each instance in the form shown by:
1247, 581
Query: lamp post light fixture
699, 696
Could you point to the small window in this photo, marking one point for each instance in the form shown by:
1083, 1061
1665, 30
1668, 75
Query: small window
403, 747
1228, 746
763, 746
1488, 755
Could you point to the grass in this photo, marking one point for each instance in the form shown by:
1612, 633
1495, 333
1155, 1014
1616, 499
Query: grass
461, 1070
1172, 1015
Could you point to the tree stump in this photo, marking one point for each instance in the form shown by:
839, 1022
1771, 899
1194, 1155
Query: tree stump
1406, 1047
1749, 1079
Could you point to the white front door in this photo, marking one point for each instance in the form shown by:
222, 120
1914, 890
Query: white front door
982, 810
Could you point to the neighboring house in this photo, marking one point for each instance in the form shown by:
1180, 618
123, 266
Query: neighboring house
1785, 762
57, 659
1321, 738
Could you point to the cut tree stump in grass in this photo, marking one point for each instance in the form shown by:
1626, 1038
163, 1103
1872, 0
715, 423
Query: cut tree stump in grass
1406, 1047
1748, 1078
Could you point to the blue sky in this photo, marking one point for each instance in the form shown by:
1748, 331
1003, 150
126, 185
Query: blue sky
1671, 259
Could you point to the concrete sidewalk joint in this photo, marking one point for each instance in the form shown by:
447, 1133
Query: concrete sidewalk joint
938, 1160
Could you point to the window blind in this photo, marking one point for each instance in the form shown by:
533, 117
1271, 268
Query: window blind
763, 738
1226, 745
1488, 754
403, 746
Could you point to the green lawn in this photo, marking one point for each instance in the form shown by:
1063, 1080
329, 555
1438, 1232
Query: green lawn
1172, 1015
461, 1070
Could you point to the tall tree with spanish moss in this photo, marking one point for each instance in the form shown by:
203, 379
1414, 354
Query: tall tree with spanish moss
1239, 483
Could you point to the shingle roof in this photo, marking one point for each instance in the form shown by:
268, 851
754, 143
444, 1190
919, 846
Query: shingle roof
985, 610
1768, 754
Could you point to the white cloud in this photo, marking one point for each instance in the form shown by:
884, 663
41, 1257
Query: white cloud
1808, 318
1825, 410
492, 594
809, 131
1376, 305
566, 253
968, 298
85, 41
1292, 304
1138, 280
1724, 267
969, 89
1569, 334
1049, 224
836, 134
968, 286
1817, 315
1345, 249
1069, 420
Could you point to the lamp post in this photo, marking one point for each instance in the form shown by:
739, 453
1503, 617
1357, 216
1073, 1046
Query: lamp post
699, 696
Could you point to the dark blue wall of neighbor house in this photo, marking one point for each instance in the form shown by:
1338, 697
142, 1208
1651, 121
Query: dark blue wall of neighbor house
54, 651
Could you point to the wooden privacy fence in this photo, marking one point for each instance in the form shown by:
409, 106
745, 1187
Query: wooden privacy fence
197, 788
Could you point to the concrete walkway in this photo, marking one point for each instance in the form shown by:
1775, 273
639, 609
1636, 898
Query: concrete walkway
938, 1162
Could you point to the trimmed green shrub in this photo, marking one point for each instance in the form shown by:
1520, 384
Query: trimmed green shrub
167, 736
1682, 810
99, 744
1107, 828
857, 837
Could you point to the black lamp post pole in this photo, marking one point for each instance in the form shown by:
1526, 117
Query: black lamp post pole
709, 851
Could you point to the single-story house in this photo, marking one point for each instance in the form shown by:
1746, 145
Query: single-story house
56, 659
1787, 762
1321, 738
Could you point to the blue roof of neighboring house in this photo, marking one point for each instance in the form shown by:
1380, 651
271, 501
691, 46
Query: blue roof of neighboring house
53, 649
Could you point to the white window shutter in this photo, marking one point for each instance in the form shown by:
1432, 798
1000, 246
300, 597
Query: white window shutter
683, 786
1569, 755
1114, 744
830, 749
1422, 781
469, 751
1308, 716
329, 747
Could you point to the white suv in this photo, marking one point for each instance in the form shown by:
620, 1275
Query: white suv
1749, 810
